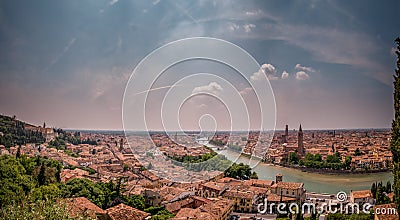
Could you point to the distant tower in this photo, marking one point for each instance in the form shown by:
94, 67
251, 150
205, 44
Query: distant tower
121, 144
44, 124
300, 145
285, 138
334, 133
287, 130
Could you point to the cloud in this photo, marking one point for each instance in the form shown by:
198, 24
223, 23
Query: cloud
112, 2
301, 75
304, 68
267, 70
213, 87
393, 51
233, 27
248, 27
285, 75
246, 91
254, 13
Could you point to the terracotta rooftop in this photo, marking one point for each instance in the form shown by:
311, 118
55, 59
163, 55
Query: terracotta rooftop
277, 198
214, 185
259, 183
361, 194
288, 185
188, 213
122, 211
169, 193
174, 207
209, 211
238, 194
218, 208
82, 205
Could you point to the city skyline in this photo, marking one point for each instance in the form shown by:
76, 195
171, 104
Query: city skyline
330, 64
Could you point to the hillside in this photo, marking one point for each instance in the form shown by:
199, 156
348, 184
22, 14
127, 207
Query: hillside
14, 132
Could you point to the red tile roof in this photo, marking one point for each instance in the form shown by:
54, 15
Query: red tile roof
122, 212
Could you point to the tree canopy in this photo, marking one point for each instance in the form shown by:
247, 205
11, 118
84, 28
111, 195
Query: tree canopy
395, 141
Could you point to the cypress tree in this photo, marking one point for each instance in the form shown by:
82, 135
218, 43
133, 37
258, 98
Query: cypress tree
395, 142
18, 155
42, 175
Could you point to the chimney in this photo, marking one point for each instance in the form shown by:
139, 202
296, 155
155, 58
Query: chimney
278, 178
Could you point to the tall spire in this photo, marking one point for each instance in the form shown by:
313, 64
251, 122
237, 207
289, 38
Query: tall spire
300, 144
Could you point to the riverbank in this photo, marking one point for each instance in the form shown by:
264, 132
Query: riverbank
334, 172
319, 182
320, 170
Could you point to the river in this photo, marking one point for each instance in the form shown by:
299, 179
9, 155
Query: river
313, 182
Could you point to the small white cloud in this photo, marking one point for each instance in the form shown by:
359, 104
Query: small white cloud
393, 51
254, 13
213, 87
248, 27
155, 2
301, 75
304, 68
112, 2
265, 69
233, 27
285, 75
246, 91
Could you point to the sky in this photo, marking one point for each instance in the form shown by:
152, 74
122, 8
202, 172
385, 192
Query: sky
329, 63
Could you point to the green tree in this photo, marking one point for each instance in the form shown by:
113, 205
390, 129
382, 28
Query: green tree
41, 176
238, 171
374, 190
15, 184
318, 157
83, 187
395, 141
309, 157
254, 175
347, 162
38, 210
18, 155
135, 201
293, 158
46, 192
388, 187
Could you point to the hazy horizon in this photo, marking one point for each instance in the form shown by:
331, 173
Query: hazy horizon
330, 64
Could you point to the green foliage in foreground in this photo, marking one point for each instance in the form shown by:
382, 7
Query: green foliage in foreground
395, 141
159, 213
339, 216
48, 209
27, 179
29, 188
